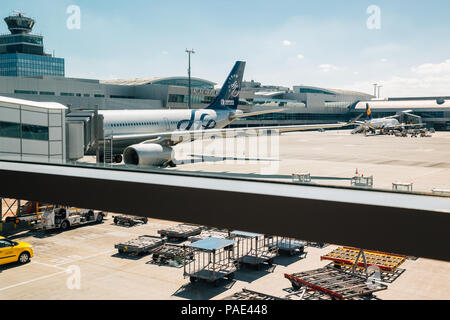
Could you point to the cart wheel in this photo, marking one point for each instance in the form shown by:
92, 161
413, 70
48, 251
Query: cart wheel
100, 218
193, 279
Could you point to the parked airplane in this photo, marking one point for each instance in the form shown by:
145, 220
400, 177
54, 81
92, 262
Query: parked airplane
384, 125
146, 137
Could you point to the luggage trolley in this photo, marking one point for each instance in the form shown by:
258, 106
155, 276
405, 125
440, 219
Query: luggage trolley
254, 248
172, 252
289, 246
214, 259
180, 232
139, 246
129, 221
210, 233
335, 283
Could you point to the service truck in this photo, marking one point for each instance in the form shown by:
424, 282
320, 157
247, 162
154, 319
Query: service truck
63, 218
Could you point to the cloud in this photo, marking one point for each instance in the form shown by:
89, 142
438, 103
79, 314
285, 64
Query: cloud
300, 56
287, 43
430, 68
328, 67
397, 86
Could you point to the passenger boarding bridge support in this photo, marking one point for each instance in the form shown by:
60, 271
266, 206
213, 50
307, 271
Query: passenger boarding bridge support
402, 223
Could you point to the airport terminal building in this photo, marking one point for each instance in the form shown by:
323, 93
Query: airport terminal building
26, 72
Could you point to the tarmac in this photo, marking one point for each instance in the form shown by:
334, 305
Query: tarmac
82, 263
330, 157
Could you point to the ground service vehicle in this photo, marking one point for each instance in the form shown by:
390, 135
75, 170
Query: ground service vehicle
15, 251
63, 218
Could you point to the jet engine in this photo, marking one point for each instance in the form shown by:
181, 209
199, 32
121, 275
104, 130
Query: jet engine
148, 154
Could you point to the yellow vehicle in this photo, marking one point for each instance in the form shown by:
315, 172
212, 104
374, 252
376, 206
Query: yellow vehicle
13, 251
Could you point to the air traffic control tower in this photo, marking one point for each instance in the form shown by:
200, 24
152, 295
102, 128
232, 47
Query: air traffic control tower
22, 53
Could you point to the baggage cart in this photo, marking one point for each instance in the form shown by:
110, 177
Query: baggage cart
129, 221
246, 294
289, 246
214, 259
254, 248
139, 246
180, 232
170, 252
335, 283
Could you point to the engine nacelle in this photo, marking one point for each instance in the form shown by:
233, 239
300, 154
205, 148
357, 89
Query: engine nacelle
148, 154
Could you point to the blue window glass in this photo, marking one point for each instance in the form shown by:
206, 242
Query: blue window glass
33, 132
9, 129
19, 64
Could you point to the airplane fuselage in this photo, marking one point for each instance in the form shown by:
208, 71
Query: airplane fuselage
383, 123
127, 122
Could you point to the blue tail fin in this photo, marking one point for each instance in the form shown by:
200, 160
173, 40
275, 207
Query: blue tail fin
228, 97
368, 112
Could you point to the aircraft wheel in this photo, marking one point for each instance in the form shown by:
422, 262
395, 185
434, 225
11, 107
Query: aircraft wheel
118, 158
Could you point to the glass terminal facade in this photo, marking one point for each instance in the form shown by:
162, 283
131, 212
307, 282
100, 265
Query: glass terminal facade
27, 65
184, 82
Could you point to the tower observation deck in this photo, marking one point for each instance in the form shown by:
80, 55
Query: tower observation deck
19, 24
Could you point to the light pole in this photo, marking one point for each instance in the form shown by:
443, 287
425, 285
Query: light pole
189, 52
379, 87
375, 89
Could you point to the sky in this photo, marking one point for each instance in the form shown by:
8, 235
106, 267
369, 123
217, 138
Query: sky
399, 44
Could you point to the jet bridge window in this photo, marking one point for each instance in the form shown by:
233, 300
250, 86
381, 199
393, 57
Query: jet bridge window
9, 129
34, 132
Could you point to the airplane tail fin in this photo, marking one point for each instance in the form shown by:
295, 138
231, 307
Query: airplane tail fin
368, 112
228, 97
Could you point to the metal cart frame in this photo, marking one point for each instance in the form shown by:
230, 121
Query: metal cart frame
335, 283
289, 245
180, 232
214, 259
139, 246
130, 221
255, 249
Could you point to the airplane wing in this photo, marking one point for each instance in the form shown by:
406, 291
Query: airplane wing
174, 137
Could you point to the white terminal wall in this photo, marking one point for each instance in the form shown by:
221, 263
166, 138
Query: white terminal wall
53, 117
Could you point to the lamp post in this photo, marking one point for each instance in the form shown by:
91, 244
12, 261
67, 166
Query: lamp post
379, 87
189, 52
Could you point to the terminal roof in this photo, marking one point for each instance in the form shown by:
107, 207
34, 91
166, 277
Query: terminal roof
21, 102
